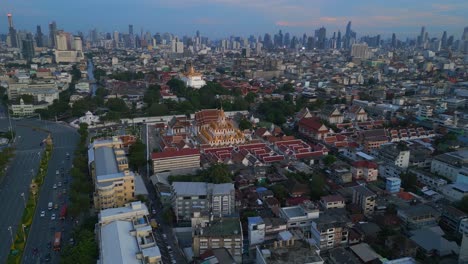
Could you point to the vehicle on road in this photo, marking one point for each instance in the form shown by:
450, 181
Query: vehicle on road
59, 184
52, 217
47, 257
56, 206
50, 205
63, 212
72, 241
57, 172
165, 237
153, 223
42, 213
57, 241
55, 186
154, 211
68, 156
169, 249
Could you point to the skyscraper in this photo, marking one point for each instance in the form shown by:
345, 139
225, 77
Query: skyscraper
321, 35
444, 40
394, 41
14, 42
28, 47
360, 51
52, 33
130, 29
39, 37
338, 40
421, 36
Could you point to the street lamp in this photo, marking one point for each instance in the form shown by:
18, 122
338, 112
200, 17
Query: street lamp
11, 234
24, 199
24, 232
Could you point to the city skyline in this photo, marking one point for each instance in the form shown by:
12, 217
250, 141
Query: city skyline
220, 18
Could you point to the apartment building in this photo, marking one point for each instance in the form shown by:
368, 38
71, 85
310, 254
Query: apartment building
332, 202
125, 236
418, 216
451, 165
190, 197
300, 217
114, 184
184, 160
220, 233
365, 199
331, 229
366, 170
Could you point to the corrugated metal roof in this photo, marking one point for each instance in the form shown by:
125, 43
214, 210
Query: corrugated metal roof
105, 161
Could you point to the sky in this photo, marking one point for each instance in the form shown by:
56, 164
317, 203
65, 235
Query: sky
223, 18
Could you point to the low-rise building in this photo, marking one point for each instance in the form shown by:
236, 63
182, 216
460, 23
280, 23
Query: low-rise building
300, 217
454, 192
365, 199
281, 252
366, 170
221, 233
331, 229
332, 202
190, 197
450, 165
125, 236
23, 109
256, 228
393, 185
176, 160
418, 216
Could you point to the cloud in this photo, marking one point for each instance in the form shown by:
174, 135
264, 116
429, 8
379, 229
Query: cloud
207, 21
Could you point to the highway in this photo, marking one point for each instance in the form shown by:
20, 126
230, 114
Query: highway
43, 228
17, 180
19, 175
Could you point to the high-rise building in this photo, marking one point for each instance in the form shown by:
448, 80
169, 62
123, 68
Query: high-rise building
130, 29
39, 37
360, 51
14, 41
52, 33
61, 41
28, 47
338, 40
444, 40
321, 35
77, 43
394, 41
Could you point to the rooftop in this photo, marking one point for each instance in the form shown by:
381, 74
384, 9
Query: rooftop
105, 162
363, 190
190, 188
299, 252
223, 227
118, 246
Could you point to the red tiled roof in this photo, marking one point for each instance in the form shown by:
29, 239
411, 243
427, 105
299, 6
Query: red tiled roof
173, 154
365, 163
405, 196
312, 123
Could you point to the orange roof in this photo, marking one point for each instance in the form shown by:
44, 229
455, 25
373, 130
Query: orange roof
405, 196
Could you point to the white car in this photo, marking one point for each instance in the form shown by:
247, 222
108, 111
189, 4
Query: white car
55, 186
52, 217
60, 184
42, 213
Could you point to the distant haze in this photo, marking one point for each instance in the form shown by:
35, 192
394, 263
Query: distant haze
222, 18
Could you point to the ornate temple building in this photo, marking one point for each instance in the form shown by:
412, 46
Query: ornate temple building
193, 79
215, 129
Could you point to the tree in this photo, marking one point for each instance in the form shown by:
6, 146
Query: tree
152, 95
245, 124
280, 192
250, 98
27, 98
136, 155
317, 185
117, 105
158, 110
219, 173
409, 181
287, 88
329, 160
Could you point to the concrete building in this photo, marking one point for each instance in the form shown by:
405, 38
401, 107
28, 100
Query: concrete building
366, 170
256, 230
221, 233
42, 91
332, 202
331, 229
190, 197
418, 216
300, 217
125, 236
23, 109
450, 165
282, 252
395, 154
360, 51
114, 184
393, 185
454, 192
365, 199
176, 161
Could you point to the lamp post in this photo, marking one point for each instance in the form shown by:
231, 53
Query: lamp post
24, 232
24, 199
11, 234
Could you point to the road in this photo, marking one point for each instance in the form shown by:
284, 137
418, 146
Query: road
164, 235
43, 228
17, 180
20, 173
